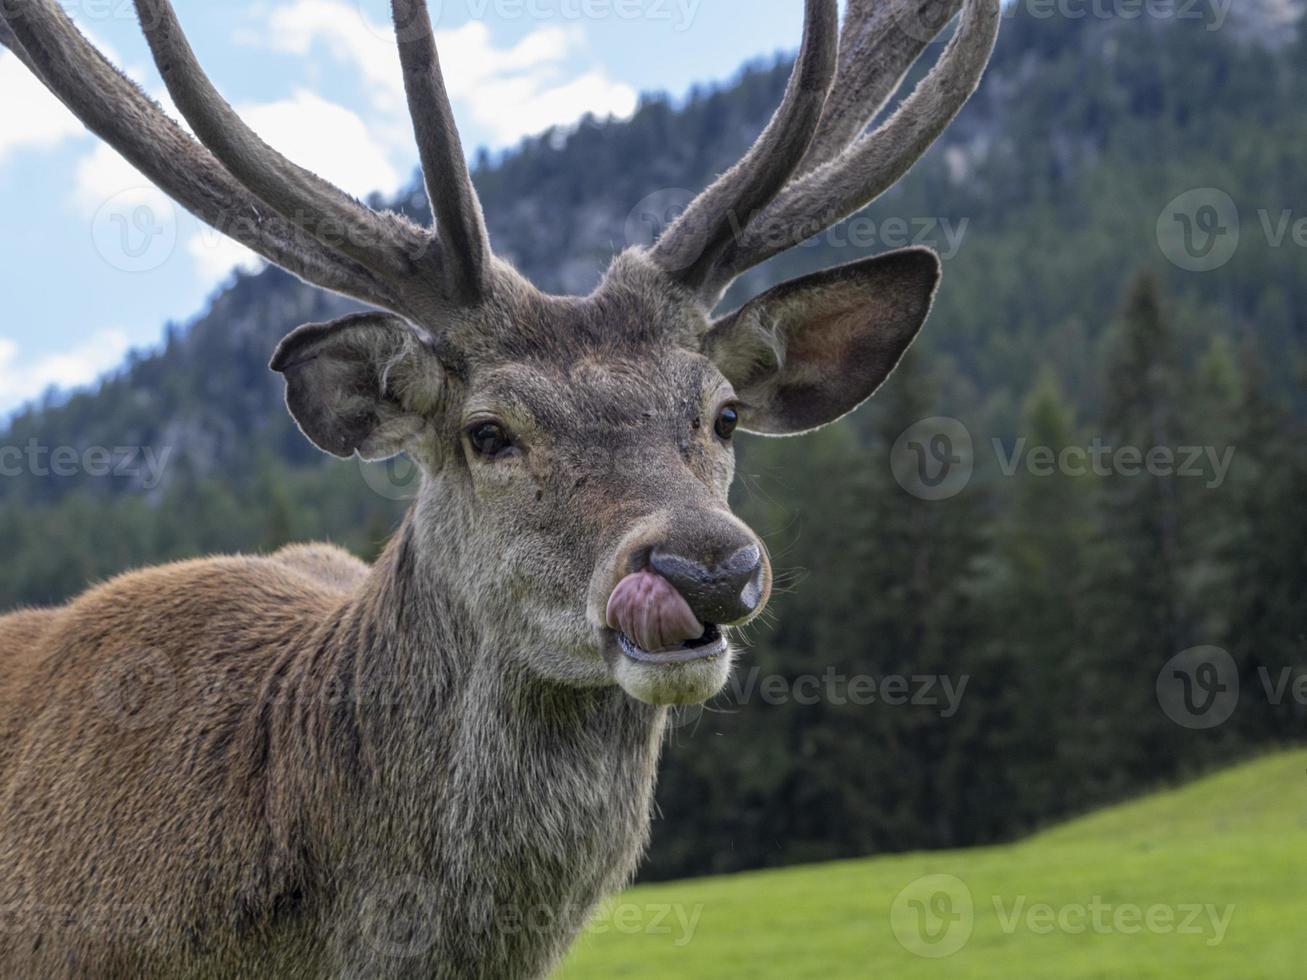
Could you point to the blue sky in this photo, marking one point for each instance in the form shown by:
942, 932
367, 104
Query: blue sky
93, 261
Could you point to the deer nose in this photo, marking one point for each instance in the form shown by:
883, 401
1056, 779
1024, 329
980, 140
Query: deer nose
726, 593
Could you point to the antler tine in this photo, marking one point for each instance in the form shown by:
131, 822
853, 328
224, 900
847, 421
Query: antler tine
874, 163
382, 243
454, 204
880, 41
43, 37
691, 247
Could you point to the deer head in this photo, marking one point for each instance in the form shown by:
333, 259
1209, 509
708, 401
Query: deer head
576, 452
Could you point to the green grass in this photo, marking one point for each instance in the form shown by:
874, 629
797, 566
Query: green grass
1235, 841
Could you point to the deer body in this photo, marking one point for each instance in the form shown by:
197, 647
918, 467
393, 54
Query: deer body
248, 821
299, 767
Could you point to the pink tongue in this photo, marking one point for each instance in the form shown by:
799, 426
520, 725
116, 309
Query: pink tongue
649, 611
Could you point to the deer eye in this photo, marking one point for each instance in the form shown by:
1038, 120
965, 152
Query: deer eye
489, 439
727, 419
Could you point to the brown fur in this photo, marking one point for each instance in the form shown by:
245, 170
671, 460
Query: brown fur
205, 820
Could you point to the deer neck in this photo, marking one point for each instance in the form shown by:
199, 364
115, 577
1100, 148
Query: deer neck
490, 783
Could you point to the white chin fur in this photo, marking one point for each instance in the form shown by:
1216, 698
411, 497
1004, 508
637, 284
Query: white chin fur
686, 683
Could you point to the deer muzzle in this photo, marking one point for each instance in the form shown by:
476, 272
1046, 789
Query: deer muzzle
673, 610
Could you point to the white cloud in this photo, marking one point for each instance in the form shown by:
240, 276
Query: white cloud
523, 90
33, 118
322, 136
347, 35
104, 175
216, 255
326, 138
22, 380
510, 92
469, 58
520, 109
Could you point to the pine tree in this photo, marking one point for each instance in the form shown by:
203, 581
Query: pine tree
1266, 553
1034, 589
1140, 618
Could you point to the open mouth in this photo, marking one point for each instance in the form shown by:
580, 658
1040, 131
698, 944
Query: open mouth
711, 644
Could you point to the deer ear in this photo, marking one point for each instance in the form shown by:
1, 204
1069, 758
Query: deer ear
365, 384
813, 349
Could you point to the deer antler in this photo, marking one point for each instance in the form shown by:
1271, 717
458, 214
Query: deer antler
379, 242
705, 230
811, 167
233, 180
454, 204
841, 170
877, 47
43, 37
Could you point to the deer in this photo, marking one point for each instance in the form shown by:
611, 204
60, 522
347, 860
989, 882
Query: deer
298, 765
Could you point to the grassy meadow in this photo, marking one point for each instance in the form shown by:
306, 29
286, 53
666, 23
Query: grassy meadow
1208, 881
